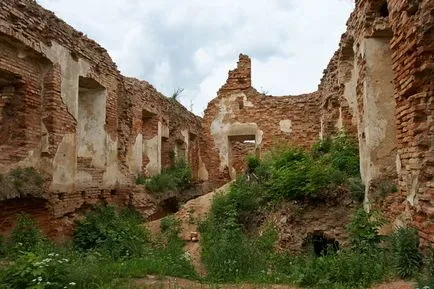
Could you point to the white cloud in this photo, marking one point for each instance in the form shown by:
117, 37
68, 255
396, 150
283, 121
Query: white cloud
192, 43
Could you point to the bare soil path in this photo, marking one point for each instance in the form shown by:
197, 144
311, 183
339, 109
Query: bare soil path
189, 216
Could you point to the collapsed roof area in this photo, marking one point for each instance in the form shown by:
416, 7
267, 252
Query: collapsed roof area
66, 111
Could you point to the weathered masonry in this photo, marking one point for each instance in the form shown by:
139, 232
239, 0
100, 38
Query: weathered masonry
66, 111
378, 86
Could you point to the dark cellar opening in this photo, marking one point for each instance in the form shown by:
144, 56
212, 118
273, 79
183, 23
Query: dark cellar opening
166, 207
170, 206
320, 244
384, 10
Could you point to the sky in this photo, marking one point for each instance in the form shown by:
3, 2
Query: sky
192, 44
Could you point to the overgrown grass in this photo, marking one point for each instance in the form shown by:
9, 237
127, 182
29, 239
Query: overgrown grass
177, 177
294, 174
233, 252
109, 248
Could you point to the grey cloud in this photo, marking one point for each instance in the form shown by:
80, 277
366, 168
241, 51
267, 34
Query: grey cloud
192, 43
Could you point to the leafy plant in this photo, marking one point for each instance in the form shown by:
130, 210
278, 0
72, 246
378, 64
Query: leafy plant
386, 187
406, 254
426, 277
176, 177
357, 189
26, 235
253, 162
121, 235
363, 230
38, 272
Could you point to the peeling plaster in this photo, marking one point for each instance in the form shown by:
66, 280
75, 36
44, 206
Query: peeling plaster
221, 130
152, 149
286, 126
135, 156
64, 165
71, 69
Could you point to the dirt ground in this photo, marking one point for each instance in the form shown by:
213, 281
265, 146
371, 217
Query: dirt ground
189, 215
178, 283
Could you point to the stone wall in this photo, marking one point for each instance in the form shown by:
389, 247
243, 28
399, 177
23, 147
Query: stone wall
67, 111
241, 113
380, 82
378, 86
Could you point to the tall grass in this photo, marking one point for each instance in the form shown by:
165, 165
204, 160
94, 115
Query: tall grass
109, 247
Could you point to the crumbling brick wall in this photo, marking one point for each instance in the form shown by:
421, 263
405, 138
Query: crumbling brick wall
383, 71
378, 87
240, 111
68, 112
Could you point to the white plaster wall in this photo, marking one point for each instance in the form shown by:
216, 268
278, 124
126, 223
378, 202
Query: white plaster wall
91, 136
152, 149
286, 126
135, 156
70, 72
378, 120
64, 165
185, 133
112, 174
221, 130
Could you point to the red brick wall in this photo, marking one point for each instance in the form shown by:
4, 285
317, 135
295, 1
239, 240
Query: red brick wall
264, 111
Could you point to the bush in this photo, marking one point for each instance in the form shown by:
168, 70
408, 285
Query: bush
357, 189
363, 230
426, 277
119, 234
345, 269
226, 252
26, 236
253, 162
21, 182
35, 271
291, 173
406, 254
177, 177
386, 187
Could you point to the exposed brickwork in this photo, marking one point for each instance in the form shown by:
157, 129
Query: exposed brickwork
409, 26
239, 110
44, 66
378, 86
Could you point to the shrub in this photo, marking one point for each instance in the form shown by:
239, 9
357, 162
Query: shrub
344, 155
30, 270
295, 174
406, 255
225, 251
21, 182
170, 225
426, 277
386, 187
177, 177
363, 230
345, 269
253, 162
357, 189
26, 236
119, 234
